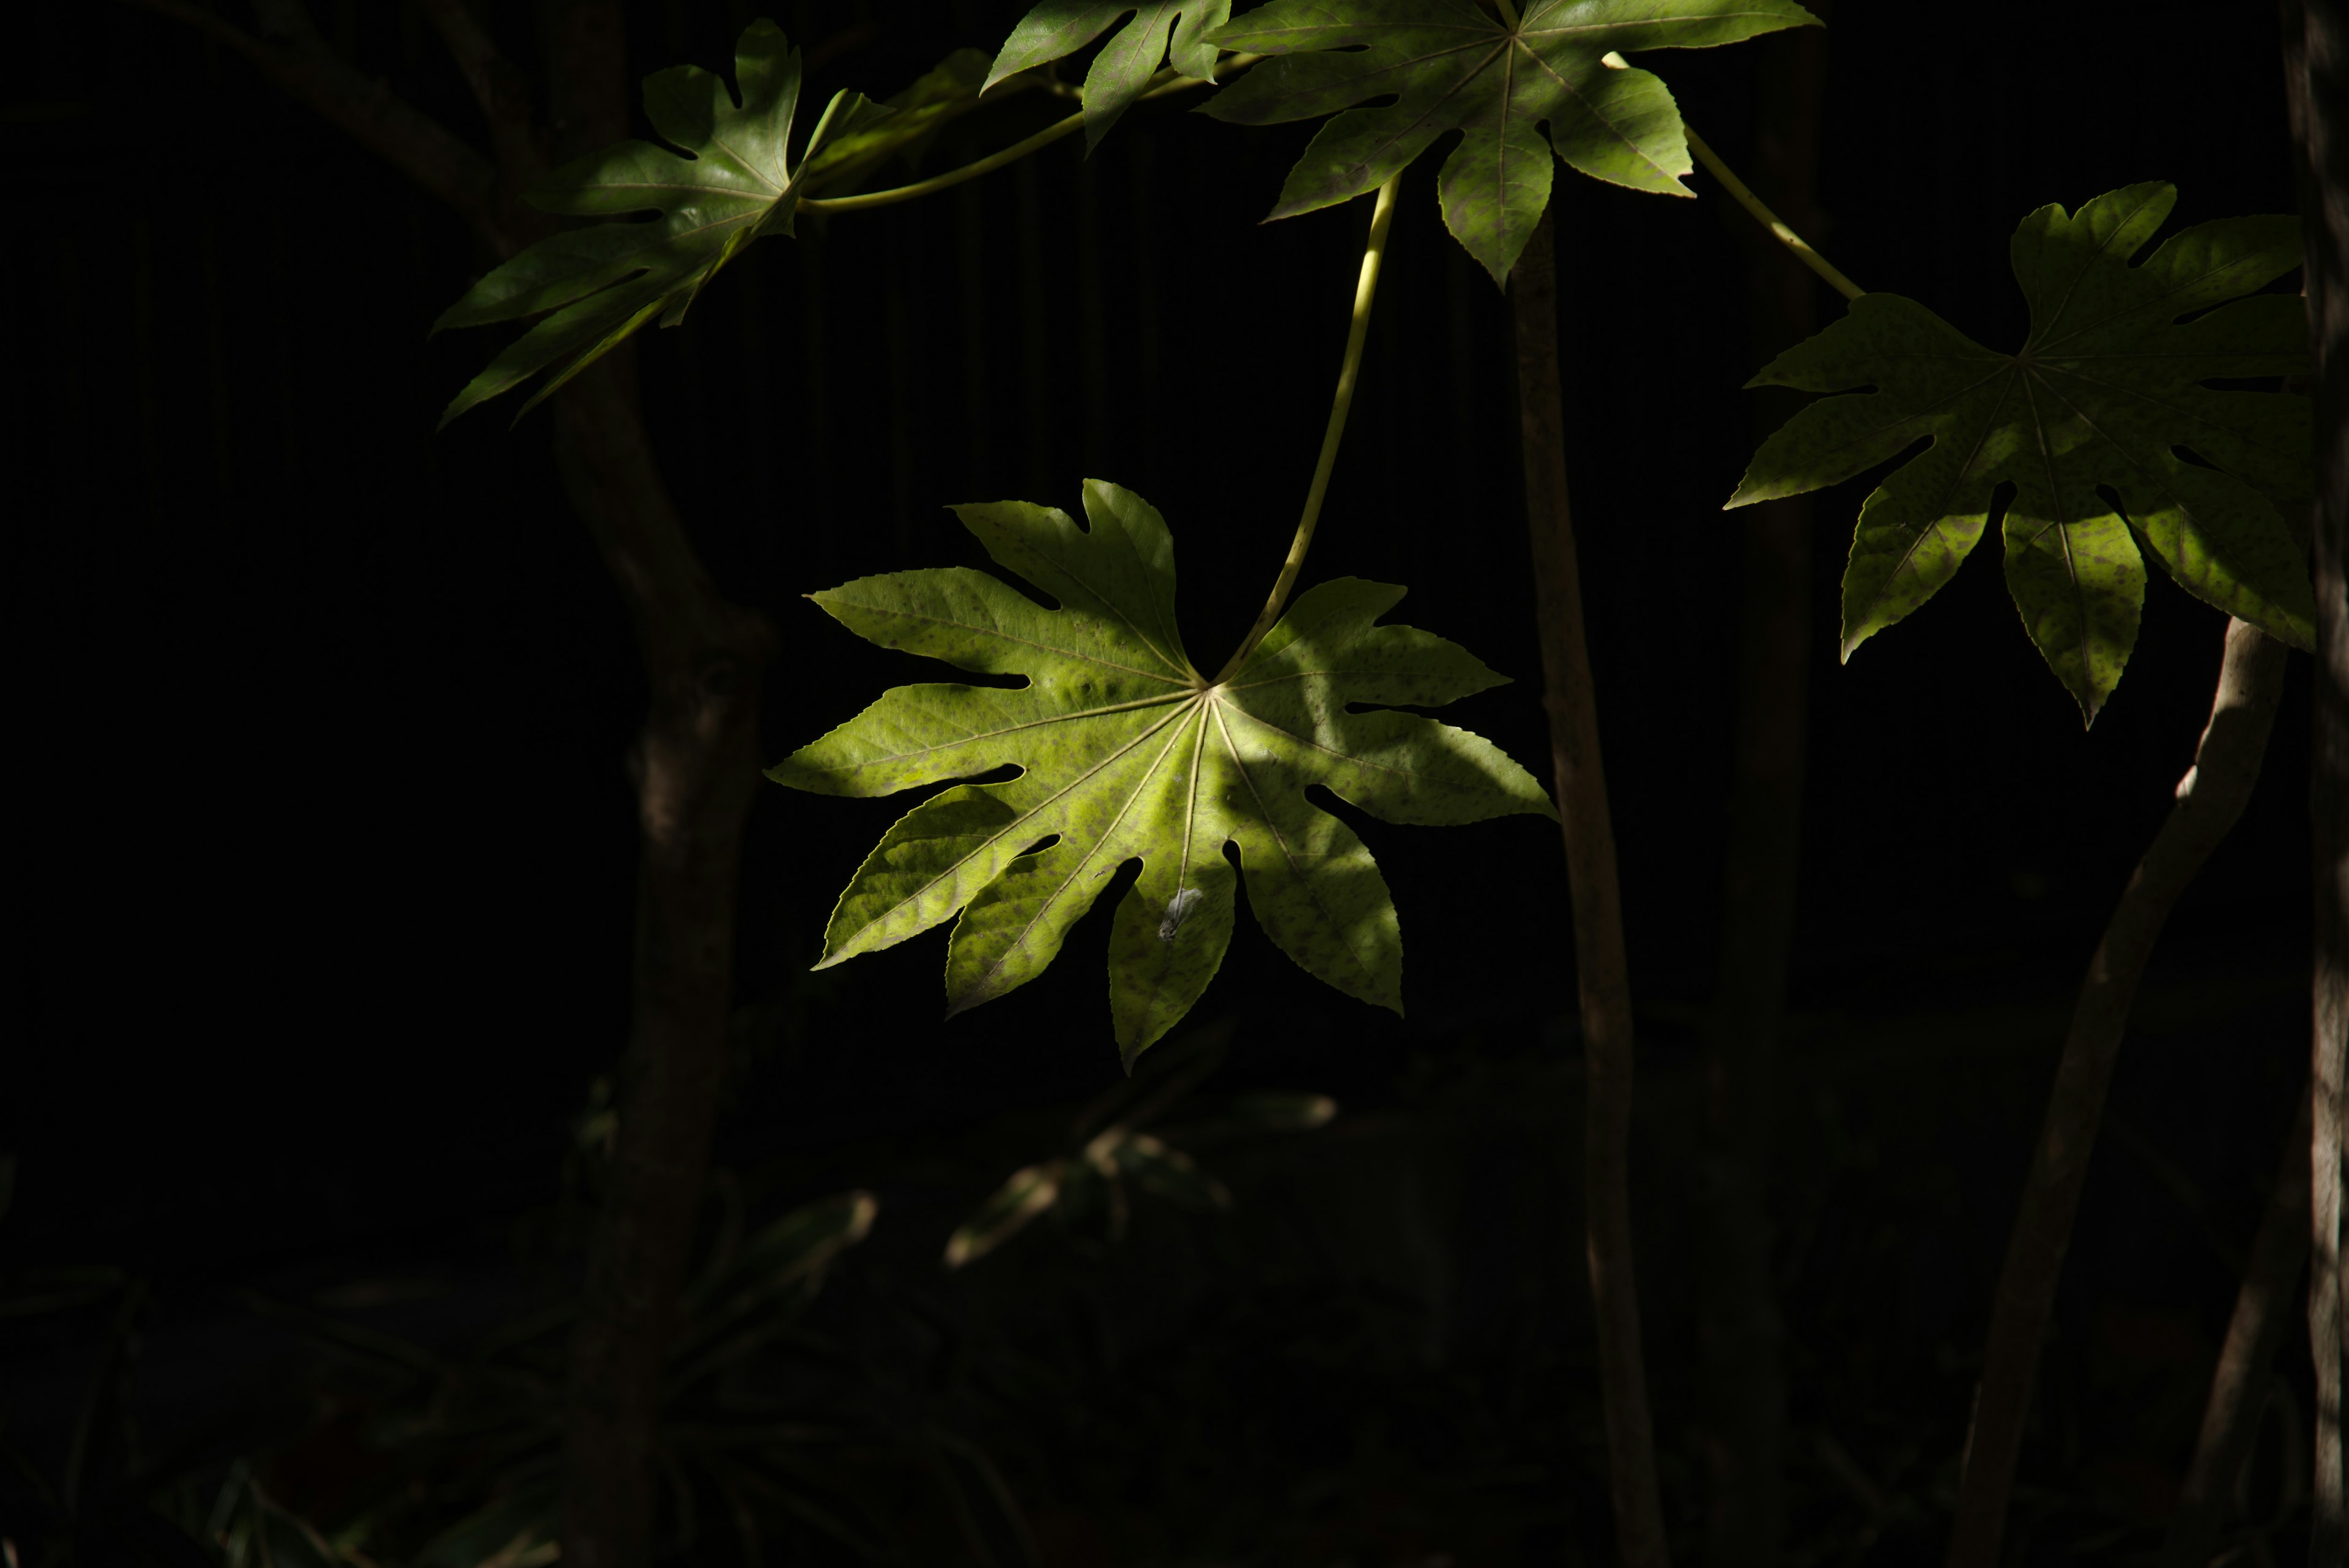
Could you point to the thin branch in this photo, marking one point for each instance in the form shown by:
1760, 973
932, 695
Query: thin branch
419, 146
2211, 797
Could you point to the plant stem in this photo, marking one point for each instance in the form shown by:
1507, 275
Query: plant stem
953, 177
1366, 288
1753, 203
1600, 973
2238, 1386
1165, 82
2209, 798
1768, 219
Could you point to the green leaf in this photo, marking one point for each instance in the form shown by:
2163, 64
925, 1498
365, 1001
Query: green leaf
730, 181
1161, 30
916, 117
1285, 1112
782, 1262
1128, 754
1158, 1168
515, 1531
1450, 65
2104, 403
1029, 1192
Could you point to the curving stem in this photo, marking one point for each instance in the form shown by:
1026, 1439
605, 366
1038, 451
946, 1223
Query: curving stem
2211, 797
1366, 289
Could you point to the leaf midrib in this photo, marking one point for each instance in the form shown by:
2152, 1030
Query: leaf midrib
852, 947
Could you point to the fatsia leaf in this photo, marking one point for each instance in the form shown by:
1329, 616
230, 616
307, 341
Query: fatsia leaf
1174, 31
730, 181
1128, 754
1450, 65
916, 115
2100, 422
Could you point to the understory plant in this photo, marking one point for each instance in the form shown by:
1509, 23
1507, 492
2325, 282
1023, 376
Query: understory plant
2099, 441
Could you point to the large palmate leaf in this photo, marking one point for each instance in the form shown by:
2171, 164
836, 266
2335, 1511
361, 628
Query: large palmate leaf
730, 181
1128, 754
1451, 65
1172, 31
2099, 422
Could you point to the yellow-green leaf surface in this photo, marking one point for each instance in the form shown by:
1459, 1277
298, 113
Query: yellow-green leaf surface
2100, 424
730, 180
1128, 754
1444, 66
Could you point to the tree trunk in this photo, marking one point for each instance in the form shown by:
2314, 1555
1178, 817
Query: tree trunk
2211, 797
1600, 969
1740, 1333
2316, 96
696, 768
696, 763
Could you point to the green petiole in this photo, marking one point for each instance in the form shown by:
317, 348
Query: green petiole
1366, 288
1165, 82
1753, 203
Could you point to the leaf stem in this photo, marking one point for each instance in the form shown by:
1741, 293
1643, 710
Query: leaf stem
1753, 203
1768, 219
1168, 81
1366, 288
987, 165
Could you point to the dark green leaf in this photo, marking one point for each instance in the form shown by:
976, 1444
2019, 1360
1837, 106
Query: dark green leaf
785, 1260
915, 115
1160, 1168
1029, 1192
517, 1530
1161, 30
1285, 1112
1451, 65
730, 181
2104, 400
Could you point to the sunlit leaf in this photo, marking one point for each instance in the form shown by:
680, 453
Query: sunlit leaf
1128, 754
729, 180
1453, 66
2100, 421
1161, 31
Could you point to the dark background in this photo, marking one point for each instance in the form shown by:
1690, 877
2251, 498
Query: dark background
326, 858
